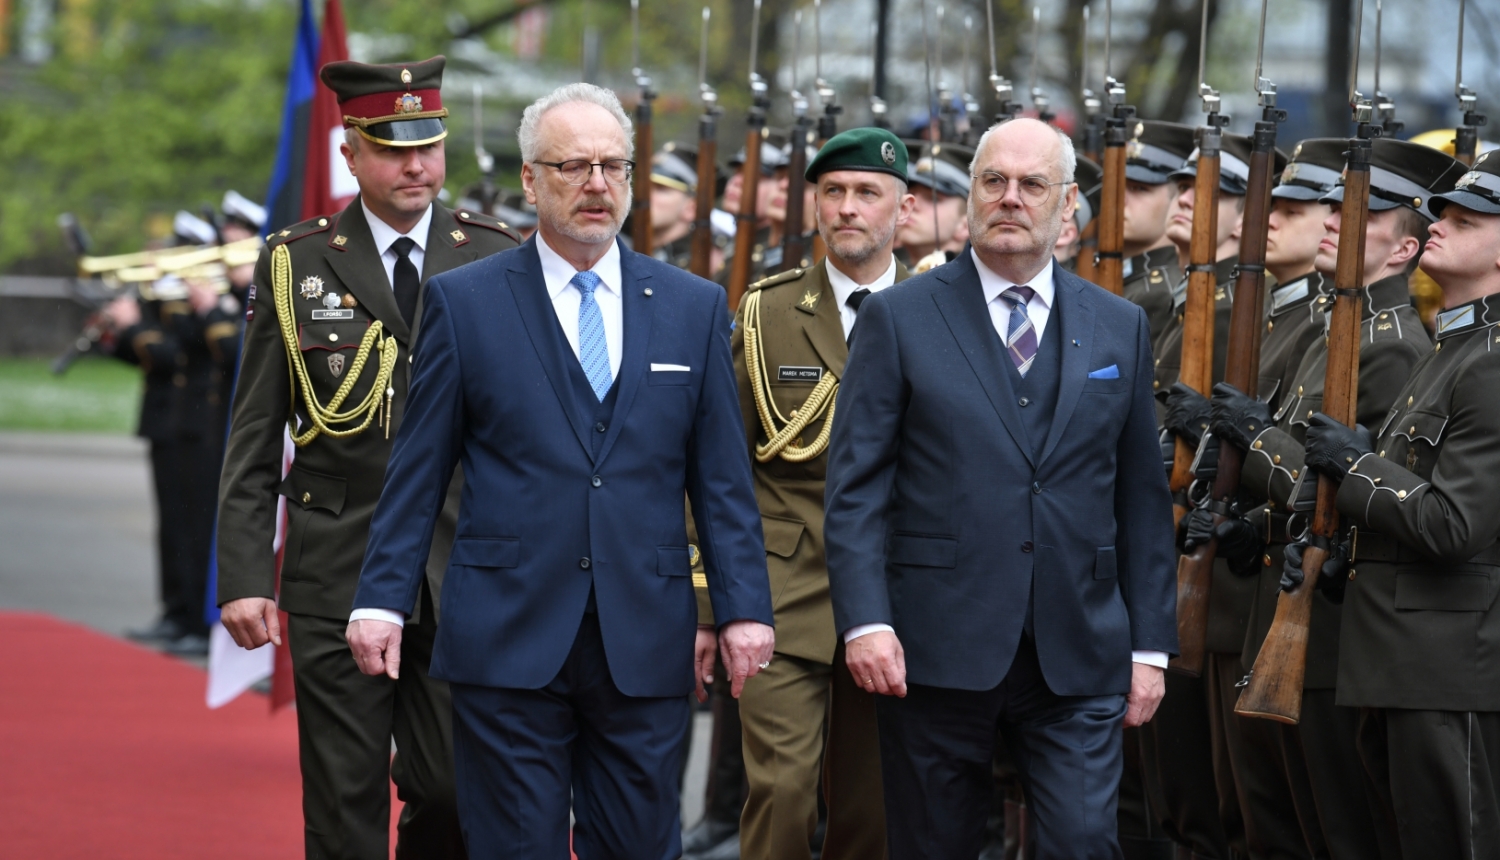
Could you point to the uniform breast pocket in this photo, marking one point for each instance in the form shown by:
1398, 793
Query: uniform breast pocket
1459, 588
329, 349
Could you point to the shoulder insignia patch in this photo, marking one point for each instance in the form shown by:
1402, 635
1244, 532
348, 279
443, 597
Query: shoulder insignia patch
781, 278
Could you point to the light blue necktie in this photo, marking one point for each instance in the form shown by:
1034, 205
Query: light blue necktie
593, 349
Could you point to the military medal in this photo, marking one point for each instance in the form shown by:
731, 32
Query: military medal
336, 364
349, 300
331, 302
311, 287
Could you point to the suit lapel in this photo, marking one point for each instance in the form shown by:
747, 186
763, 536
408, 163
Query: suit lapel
529, 290
1077, 318
639, 310
357, 263
824, 326
962, 306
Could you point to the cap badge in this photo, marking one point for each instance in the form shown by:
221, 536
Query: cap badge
1134, 149
1467, 179
311, 287
887, 153
331, 301
406, 76
408, 103
1140, 129
1297, 152
1291, 172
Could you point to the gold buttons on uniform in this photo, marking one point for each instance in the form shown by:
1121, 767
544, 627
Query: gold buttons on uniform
1401, 494
464, 215
322, 222
1267, 559
1156, 383
1270, 325
1408, 401
306, 497
1413, 429
1256, 445
1276, 459
1299, 391
1294, 474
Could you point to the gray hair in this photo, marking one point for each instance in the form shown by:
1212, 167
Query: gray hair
1069, 156
526, 135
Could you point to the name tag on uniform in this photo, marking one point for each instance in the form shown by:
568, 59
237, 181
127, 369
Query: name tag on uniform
798, 374
341, 314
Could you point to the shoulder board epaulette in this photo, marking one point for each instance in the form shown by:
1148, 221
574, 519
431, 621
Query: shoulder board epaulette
779, 278
298, 231
479, 219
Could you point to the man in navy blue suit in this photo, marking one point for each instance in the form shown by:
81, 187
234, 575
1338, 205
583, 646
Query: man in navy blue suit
998, 525
585, 389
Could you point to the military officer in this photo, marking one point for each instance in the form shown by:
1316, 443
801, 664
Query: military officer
938, 175
674, 189
1403, 177
1152, 271
1419, 613
329, 335
805, 711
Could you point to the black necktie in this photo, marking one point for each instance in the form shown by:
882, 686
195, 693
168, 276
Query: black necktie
857, 298
406, 280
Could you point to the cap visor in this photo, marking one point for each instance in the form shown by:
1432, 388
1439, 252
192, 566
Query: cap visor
1136, 173
1296, 192
412, 132
1464, 199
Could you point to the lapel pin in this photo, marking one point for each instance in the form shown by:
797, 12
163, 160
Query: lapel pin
648, 291
1076, 343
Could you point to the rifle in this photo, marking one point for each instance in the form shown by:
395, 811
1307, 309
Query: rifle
878, 106
640, 207
701, 261
1003, 88
1109, 262
1274, 689
1092, 141
1466, 136
1385, 106
971, 129
1039, 99
828, 123
794, 240
1195, 570
755, 132
489, 195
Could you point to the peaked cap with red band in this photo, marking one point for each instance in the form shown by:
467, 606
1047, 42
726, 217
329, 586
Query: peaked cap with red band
396, 104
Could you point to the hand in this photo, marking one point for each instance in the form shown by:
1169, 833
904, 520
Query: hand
1188, 413
1238, 417
1241, 544
1332, 448
746, 648
376, 646
251, 621
1291, 566
1197, 529
201, 297
705, 649
123, 312
878, 663
1333, 576
1147, 686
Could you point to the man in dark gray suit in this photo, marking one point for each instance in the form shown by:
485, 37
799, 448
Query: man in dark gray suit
999, 530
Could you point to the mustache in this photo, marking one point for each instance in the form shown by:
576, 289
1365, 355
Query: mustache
596, 202
1004, 217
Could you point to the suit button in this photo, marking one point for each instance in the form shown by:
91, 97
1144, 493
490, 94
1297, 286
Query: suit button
585, 563
1027, 546
597, 481
1035, 487
1024, 402
599, 428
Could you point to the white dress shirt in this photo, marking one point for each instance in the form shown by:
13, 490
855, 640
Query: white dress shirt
844, 287
1039, 309
557, 274
385, 236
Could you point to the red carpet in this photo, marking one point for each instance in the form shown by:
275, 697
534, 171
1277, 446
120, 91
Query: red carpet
107, 751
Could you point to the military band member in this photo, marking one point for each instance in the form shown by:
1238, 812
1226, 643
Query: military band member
938, 175
674, 189
1420, 615
1152, 270
790, 345
329, 333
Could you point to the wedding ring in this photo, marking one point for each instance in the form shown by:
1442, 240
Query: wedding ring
766, 665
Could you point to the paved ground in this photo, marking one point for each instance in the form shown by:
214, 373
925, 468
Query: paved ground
77, 541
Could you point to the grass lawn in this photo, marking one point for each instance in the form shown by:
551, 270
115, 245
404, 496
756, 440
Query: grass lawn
96, 395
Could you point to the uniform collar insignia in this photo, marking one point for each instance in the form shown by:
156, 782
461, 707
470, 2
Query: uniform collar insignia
1290, 294
809, 300
1466, 317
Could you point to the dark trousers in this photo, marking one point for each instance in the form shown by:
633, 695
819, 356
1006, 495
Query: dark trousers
345, 723
936, 750
1343, 812
185, 473
1438, 775
1177, 768
524, 757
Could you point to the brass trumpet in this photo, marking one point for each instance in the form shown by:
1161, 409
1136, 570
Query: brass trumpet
159, 274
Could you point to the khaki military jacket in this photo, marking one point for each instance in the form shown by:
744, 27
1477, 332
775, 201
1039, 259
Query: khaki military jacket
1421, 626
788, 328
340, 296
1149, 285
1168, 346
1392, 340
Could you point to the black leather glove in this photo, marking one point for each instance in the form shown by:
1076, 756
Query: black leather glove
1291, 566
1188, 413
1332, 448
1195, 530
1237, 416
1241, 545
1333, 576
1168, 444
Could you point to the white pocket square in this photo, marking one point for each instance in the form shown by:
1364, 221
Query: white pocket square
679, 367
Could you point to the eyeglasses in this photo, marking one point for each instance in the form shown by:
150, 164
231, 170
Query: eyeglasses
1034, 190
616, 171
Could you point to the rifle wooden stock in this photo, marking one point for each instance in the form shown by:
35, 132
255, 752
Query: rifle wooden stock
1109, 270
794, 243
745, 219
640, 207
1242, 370
1197, 373
701, 261
1274, 690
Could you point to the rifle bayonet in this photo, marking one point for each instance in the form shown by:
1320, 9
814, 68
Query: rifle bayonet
701, 261
640, 205
828, 123
877, 104
1466, 137
747, 218
1385, 106
1004, 90
489, 195
1039, 100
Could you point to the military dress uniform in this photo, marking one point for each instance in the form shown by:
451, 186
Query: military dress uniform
805, 714
1155, 151
327, 354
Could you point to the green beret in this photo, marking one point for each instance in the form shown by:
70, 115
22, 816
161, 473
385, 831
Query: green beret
874, 149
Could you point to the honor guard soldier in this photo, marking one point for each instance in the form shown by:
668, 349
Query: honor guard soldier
938, 175
805, 712
333, 315
1420, 618
774, 157
1404, 176
1152, 271
1089, 178
674, 189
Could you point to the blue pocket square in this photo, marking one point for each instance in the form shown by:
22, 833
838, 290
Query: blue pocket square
1111, 372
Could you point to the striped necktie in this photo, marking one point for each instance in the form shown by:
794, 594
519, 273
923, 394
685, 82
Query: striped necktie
1020, 340
593, 349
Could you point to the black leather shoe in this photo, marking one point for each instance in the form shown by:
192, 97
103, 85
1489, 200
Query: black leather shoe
164, 630
187, 645
706, 834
